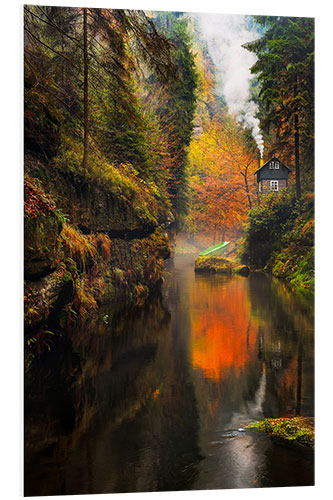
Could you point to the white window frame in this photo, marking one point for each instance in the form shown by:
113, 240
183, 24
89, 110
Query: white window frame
271, 165
274, 185
277, 165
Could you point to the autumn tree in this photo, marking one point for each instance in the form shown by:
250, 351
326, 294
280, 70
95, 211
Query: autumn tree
221, 178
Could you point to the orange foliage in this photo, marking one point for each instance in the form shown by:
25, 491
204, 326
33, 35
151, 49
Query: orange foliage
223, 334
222, 180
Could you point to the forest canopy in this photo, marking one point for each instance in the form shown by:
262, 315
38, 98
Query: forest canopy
135, 99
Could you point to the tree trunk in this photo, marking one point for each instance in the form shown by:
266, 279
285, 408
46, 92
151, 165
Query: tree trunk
298, 176
297, 166
85, 90
247, 191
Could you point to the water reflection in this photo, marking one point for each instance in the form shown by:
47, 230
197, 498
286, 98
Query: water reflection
131, 412
251, 354
153, 398
223, 336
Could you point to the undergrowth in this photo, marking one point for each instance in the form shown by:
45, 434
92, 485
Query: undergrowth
279, 237
141, 195
300, 429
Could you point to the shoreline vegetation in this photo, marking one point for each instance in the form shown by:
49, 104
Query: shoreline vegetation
279, 239
293, 429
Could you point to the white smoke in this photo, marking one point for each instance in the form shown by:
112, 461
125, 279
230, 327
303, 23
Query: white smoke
225, 35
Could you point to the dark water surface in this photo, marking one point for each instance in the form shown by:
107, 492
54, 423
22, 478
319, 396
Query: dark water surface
156, 398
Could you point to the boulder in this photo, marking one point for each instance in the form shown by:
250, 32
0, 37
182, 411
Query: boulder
219, 265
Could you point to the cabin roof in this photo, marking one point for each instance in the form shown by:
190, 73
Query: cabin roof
267, 162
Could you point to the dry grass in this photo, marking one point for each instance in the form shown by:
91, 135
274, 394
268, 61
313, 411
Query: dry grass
102, 243
78, 246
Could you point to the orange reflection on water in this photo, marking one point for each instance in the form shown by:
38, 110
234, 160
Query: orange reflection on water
223, 334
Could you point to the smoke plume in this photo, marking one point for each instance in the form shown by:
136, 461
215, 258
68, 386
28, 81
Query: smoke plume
225, 35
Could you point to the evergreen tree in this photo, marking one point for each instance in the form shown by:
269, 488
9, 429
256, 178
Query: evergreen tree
180, 104
285, 70
80, 69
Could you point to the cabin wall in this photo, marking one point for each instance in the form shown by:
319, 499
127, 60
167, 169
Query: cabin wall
265, 185
268, 173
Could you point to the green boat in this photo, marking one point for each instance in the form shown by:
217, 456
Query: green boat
218, 249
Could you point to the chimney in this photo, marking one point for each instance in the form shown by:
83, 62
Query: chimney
261, 162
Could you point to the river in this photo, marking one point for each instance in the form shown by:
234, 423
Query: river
156, 397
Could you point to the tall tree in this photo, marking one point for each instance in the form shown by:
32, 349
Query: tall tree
285, 70
180, 103
60, 44
85, 91
221, 177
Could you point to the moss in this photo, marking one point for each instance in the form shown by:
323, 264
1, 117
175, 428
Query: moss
79, 252
279, 237
220, 265
140, 200
298, 429
41, 244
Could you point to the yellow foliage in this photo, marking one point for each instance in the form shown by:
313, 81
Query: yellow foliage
221, 177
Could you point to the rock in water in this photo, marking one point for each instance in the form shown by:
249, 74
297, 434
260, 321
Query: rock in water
220, 265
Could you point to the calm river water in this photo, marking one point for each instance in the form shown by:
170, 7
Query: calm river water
156, 398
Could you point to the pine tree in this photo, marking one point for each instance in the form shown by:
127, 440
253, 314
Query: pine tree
180, 104
285, 70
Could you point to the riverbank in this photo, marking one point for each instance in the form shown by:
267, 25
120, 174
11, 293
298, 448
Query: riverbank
279, 238
89, 240
294, 429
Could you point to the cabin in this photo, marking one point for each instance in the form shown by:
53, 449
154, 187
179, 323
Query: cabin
272, 175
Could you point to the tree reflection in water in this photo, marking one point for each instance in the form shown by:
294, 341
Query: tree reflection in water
153, 398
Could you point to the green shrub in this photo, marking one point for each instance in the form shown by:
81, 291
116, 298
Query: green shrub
279, 236
300, 429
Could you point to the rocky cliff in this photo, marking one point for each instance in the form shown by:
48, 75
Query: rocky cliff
89, 241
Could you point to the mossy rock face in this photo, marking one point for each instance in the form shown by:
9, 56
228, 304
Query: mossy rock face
116, 207
87, 243
40, 244
45, 295
219, 265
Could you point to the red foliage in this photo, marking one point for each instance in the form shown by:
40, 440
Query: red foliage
36, 202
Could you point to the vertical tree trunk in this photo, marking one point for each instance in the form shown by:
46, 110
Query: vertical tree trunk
297, 165
85, 90
247, 191
298, 176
